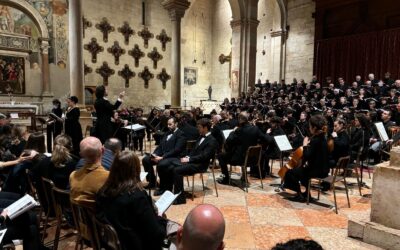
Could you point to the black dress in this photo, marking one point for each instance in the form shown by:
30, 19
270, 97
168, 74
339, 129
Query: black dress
134, 218
73, 128
104, 110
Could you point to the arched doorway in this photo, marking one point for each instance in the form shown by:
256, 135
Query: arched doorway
43, 42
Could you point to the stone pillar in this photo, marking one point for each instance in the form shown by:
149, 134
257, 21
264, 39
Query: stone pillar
176, 9
278, 54
244, 47
44, 50
76, 49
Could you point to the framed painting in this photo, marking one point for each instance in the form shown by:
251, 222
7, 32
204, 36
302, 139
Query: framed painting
190, 76
12, 75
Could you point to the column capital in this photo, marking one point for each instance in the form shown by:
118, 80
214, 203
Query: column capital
176, 8
241, 22
44, 46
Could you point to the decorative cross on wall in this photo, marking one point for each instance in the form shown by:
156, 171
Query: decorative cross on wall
87, 69
126, 31
163, 77
127, 74
136, 53
146, 75
155, 57
116, 51
94, 48
105, 71
164, 38
146, 35
86, 24
105, 28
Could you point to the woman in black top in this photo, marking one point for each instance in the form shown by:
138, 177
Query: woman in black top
124, 204
315, 154
72, 126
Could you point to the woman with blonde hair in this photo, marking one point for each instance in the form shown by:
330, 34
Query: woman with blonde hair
124, 204
60, 165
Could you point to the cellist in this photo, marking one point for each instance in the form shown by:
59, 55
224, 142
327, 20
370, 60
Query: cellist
315, 157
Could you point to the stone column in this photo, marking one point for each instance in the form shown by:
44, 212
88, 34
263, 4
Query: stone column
278, 54
176, 9
76, 49
251, 52
44, 50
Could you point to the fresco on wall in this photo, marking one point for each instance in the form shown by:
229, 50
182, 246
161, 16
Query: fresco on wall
12, 75
14, 21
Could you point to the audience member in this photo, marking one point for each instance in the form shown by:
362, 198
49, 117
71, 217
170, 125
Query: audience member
124, 204
86, 181
204, 228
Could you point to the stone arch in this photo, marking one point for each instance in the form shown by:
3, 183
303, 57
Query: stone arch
282, 7
33, 14
237, 8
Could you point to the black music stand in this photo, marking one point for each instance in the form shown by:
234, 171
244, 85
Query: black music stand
284, 146
133, 128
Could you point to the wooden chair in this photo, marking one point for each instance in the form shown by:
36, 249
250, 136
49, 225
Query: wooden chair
212, 168
332, 179
253, 152
105, 235
62, 205
84, 225
48, 186
190, 144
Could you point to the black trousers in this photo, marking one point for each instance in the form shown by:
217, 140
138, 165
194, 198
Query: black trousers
52, 131
148, 167
175, 172
294, 177
224, 159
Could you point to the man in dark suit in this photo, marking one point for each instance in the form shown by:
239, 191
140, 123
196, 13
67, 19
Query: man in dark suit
171, 146
104, 111
196, 162
237, 143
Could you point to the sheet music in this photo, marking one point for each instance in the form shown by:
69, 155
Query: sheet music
135, 127
2, 233
165, 201
20, 206
283, 143
14, 116
227, 132
143, 176
382, 132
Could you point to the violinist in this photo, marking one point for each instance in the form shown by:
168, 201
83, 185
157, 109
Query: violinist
117, 124
315, 155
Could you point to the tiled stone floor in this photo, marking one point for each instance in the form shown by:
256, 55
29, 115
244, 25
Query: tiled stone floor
261, 218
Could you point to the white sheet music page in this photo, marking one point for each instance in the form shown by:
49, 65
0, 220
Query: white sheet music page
135, 127
283, 143
20, 206
382, 131
165, 201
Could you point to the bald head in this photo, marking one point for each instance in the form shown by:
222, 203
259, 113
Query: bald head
204, 228
91, 150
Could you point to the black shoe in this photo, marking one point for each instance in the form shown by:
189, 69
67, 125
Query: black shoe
158, 192
298, 198
180, 200
223, 181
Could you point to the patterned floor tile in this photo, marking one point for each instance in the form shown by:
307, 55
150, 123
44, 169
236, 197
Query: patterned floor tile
316, 218
273, 216
239, 235
263, 200
235, 214
267, 236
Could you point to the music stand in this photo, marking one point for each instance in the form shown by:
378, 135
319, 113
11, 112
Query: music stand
133, 128
284, 146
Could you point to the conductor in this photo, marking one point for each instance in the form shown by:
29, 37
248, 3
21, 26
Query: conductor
104, 110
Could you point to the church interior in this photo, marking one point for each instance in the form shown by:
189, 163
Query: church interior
295, 69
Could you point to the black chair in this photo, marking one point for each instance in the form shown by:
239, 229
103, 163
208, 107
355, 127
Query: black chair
342, 164
63, 207
48, 186
105, 235
84, 225
253, 153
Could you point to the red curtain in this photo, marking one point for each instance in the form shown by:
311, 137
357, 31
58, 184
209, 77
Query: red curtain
376, 52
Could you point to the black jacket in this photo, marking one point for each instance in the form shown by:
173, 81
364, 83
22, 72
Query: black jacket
134, 218
241, 139
172, 147
203, 153
316, 156
104, 111
341, 145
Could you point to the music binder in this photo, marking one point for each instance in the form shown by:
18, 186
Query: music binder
135, 127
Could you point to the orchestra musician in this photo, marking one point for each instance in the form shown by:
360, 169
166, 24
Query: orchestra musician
118, 123
315, 155
72, 126
54, 126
